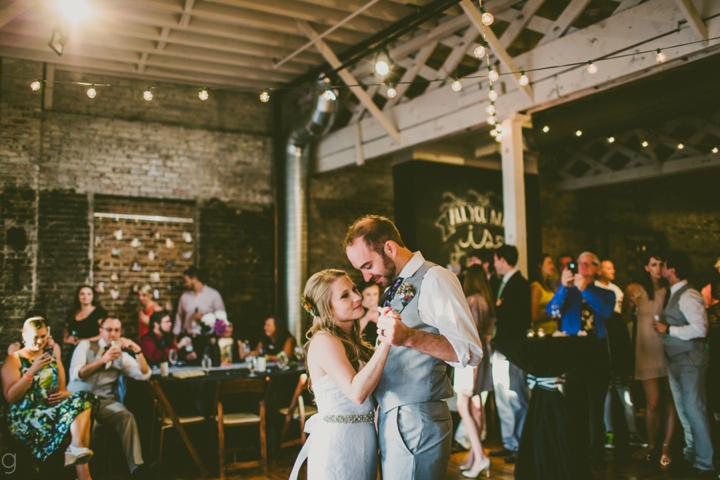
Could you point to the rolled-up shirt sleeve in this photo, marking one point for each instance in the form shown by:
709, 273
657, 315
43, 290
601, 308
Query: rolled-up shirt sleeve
131, 368
692, 305
442, 305
79, 359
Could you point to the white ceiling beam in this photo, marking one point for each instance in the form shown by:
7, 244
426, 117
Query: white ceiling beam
387, 11
443, 112
187, 13
650, 150
15, 9
626, 4
519, 22
162, 41
693, 18
142, 62
411, 72
497, 48
449, 67
350, 80
571, 13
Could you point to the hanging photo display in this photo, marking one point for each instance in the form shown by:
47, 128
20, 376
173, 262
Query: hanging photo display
187, 237
136, 266
100, 288
151, 255
135, 243
115, 253
169, 243
115, 293
115, 277
99, 241
156, 294
187, 254
118, 234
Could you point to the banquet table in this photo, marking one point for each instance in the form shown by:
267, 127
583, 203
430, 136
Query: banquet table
195, 395
550, 447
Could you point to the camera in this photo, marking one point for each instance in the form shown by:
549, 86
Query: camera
572, 266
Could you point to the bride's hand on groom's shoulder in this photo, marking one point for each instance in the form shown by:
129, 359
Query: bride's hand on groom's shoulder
391, 329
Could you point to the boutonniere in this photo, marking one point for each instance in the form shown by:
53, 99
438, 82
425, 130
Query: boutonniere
406, 292
499, 302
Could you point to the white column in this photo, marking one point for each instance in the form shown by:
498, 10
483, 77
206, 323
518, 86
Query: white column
513, 174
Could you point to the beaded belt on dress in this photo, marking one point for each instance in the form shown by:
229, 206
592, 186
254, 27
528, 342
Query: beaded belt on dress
368, 417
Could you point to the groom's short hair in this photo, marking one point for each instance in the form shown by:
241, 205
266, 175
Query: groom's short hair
375, 230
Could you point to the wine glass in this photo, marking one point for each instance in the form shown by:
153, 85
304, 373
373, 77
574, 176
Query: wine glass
282, 361
173, 357
206, 363
252, 364
299, 353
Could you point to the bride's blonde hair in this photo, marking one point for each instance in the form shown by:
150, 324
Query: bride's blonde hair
318, 293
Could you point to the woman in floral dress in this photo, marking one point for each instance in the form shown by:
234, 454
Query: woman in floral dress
41, 409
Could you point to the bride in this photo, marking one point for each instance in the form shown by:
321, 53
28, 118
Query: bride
343, 373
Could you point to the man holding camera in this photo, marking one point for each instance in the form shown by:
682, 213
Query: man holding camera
584, 307
96, 367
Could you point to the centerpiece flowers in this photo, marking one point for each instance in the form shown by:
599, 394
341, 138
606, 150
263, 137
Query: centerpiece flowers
214, 323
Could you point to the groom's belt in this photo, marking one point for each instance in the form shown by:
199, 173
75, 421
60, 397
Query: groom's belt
368, 417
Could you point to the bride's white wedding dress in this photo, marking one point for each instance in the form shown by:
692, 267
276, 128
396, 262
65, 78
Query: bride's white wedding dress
342, 444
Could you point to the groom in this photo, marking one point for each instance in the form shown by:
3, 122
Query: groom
415, 426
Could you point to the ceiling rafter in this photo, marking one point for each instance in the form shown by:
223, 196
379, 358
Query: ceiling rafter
566, 18
693, 18
15, 9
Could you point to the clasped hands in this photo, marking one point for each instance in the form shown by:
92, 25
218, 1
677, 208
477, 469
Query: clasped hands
390, 327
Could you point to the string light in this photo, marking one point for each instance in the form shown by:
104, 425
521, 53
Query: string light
148, 95
644, 144
492, 94
490, 109
329, 95
680, 146
491, 120
611, 139
487, 17
546, 129
479, 51
714, 150
493, 133
265, 96
382, 64
91, 92
578, 133
203, 94
35, 85
456, 85
660, 57
592, 68
391, 92
492, 74
523, 80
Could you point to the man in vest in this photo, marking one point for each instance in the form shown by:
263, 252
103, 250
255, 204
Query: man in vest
415, 426
684, 326
96, 367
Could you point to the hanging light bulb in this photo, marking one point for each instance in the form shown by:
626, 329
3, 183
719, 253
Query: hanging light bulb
492, 94
660, 57
35, 85
91, 92
499, 137
391, 92
492, 74
592, 68
265, 96
490, 109
493, 133
456, 85
714, 150
546, 129
148, 95
491, 120
680, 146
611, 139
329, 95
203, 94
578, 133
523, 80
644, 144
479, 51
382, 64
487, 17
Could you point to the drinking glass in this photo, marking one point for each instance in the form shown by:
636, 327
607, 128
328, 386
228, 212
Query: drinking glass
282, 361
299, 354
206, 363
252, 364
173, 357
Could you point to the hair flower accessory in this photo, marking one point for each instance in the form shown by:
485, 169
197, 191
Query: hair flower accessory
406, 292
308, 306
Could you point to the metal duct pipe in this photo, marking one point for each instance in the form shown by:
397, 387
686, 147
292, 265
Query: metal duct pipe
296, 172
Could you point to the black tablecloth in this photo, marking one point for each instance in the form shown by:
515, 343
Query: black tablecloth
550, 447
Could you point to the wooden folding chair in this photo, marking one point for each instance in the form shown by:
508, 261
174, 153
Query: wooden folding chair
258, 386
297, 411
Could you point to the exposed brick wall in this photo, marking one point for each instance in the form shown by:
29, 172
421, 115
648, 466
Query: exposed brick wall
174, 148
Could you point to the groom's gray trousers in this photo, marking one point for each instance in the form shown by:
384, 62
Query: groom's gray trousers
415, 441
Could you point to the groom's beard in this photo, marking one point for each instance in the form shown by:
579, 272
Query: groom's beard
388, 278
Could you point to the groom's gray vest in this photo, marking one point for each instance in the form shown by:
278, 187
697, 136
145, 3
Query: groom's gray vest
104, 382
674, 316
410, 376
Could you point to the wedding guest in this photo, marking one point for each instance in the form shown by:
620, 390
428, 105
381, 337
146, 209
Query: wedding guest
713, 375
645, 300
42, 410
707, 291
605, 279
276, 339
148, 306
583, 306
562, 263
684, 326
196, 302
485, 258
96, 367
368, 323
541, 292
159, 341
83, 318
471, 381
15, 346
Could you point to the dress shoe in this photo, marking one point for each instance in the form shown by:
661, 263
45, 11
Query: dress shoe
637, 441
510, 459
503, 452
77, 455
705, 473
475, 472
